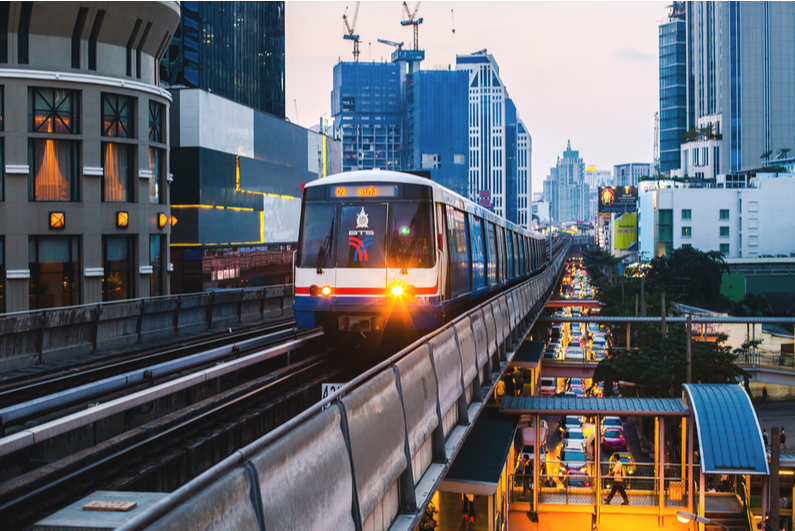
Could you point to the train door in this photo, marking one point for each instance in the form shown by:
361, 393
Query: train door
361, 249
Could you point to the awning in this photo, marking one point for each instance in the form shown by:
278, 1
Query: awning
729, 437
528, 354
635, 407
480, 461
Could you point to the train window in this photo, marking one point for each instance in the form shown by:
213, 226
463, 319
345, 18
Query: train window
459, 254
491, 238
410, 243
522, 261
500, 254
317, 232
478, 252
315, 193
517, 271
362, 236
417, 191
509, 260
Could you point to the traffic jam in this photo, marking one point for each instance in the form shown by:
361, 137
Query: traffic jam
566, 463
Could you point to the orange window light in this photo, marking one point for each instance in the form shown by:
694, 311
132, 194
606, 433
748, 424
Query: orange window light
57, 220
122, 220
162, 219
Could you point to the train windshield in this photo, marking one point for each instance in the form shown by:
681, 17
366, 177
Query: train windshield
410, 244
317, 235
362, 233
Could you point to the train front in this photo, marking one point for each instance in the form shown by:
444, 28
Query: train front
367, 255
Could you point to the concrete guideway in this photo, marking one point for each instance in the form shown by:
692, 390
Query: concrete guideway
395, 427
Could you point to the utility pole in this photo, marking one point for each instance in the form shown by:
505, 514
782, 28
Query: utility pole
642, 298
689, 350
774, 483
662, 315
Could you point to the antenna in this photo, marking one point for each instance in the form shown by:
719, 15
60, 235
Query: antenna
452, 14
296, 110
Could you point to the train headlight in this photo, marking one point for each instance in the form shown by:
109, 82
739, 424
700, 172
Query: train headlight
313, 290
397, 290
326, 291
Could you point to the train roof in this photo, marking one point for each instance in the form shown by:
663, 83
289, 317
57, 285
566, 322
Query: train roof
378, 176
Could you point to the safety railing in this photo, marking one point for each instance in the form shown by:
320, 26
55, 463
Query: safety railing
767, 359
42, 336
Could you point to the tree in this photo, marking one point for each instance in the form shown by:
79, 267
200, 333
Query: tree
692, 276
752, 306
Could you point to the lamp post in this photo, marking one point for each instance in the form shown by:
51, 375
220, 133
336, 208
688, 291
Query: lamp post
685, 517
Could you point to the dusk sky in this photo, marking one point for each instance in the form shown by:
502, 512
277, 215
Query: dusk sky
581, 71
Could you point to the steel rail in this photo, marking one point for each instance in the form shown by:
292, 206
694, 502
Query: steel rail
48, 430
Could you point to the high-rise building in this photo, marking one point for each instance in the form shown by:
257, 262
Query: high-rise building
673, 87
84, 143
438, 126
233, 49
596, 178
566, 189
740, 86
628, 174
500, 147
366, 107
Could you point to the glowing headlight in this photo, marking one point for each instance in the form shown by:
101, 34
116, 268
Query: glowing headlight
326, 291
397, 290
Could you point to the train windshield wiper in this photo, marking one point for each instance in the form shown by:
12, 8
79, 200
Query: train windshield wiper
325, 249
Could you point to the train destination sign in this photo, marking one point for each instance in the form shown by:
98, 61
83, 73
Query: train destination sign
618, 199
364, 190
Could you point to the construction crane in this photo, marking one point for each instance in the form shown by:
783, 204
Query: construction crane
398, 45
412, 20
350, 28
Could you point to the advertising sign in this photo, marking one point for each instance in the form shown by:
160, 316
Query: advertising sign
618, 199
625, 231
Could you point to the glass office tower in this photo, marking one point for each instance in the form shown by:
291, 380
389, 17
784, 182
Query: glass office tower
673, 86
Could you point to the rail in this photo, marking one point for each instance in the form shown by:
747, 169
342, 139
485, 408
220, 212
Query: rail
51, 335
391, 430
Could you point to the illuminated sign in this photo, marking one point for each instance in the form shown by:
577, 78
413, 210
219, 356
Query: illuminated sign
364, 191
618, 199
369, 191
340, 191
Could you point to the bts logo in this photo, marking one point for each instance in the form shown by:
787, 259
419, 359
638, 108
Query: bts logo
360, 246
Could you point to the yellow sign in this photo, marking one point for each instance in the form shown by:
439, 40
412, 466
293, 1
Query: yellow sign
625, 231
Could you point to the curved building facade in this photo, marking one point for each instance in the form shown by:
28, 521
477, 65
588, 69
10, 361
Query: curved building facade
84, 152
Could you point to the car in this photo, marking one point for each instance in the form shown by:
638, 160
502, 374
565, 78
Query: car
574, 465
574, 435
579, 392
598, 354
613, 439
548, 387
526, 443
569, 422
575, 353
611, 422
628, 461
569, 394
576, 382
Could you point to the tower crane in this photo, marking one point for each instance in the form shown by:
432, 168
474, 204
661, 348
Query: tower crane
350, 28
398, 45
412, 20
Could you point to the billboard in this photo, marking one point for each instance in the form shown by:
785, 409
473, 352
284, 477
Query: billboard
625, 231
618, 199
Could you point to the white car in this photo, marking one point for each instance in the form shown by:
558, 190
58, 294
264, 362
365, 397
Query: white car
574, 437
575, 353
548, 387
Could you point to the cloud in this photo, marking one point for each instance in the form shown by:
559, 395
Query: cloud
633, 54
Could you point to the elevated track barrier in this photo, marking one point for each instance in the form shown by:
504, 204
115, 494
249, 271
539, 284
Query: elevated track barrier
45, 336
371, 455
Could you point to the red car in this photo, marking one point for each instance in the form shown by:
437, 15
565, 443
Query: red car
613, 440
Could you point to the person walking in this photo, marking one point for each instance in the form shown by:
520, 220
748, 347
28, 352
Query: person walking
782, 439
510, 390
618, 481
518, 381
527, 472
764, 395
499, 391
469, 507
765, 438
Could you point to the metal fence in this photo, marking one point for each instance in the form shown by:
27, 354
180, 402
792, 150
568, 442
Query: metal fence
43, 336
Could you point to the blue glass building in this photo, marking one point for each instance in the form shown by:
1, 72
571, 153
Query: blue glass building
233, 49
366, 107
438, 104
673, 86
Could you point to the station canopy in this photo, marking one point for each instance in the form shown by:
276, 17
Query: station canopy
613, 406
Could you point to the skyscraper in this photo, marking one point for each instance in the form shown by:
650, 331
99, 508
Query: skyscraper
499, 143
741, 85
673, 87
233, 49
566, 189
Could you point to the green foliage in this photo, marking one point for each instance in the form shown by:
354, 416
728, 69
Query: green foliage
690, 275
752, 306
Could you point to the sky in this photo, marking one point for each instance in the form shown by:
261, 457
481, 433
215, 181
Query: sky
580, 71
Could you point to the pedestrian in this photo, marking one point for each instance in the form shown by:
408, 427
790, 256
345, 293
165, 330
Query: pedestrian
764, 395
518, 381
526, 473
510, 390
469, 507
764, 437
499, 391
782, 439
618, 481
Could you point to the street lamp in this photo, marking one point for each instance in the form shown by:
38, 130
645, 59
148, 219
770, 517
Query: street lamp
685, 517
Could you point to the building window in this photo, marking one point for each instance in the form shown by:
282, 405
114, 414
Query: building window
53, 111
687, 246
2, 108
459, 158
2, 275
156, 261
53, 175
431, 161
93, 38
77, 36
117, 116
724, 248
117, 254
724, 214
54, 263
4, 10
155, 122
117, 165
155, 166
687, 232
686, 213
23, 36
2, 170
724, 232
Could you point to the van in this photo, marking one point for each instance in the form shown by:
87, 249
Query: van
548, 387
